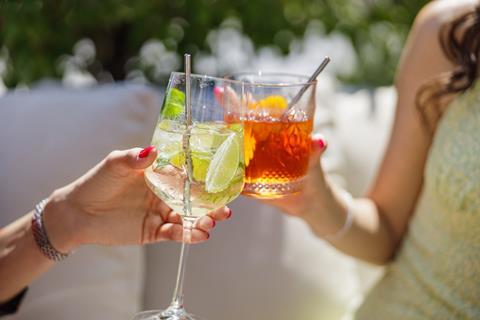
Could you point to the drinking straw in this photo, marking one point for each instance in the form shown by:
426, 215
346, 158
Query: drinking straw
314, 76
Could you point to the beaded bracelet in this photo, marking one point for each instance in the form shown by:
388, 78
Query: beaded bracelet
348, 220
41, 237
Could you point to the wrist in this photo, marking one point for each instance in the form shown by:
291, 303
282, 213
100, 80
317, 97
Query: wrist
62, 222
325, 214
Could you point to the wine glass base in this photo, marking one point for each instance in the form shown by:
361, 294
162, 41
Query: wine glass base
165, 315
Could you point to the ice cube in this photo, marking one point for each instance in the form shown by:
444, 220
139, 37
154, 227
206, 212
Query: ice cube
296, 115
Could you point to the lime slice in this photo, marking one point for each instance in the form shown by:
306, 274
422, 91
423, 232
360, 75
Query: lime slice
174, 104
223, 166
178, 159
200, 164
206, 138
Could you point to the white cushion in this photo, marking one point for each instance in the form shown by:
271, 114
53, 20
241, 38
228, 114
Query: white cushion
49, 137
363, 119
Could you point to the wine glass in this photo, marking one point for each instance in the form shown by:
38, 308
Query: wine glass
200, 163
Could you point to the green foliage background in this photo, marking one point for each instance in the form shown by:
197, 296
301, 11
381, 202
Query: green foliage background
35, 35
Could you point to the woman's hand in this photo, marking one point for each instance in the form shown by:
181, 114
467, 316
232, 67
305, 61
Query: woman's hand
317, 203
302, 204
112, 205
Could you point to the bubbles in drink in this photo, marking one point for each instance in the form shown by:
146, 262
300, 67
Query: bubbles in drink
217, 165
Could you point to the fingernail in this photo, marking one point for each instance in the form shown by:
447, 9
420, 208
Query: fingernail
229, 214
208, 235
145, 152
217, 91
320, 143
214, 223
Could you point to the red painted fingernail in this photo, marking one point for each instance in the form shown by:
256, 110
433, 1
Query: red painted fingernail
208, 235
214, 223
320, 143
145, 152
217, 91
229, 214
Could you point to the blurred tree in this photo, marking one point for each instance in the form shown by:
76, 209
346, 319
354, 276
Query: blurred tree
37, 37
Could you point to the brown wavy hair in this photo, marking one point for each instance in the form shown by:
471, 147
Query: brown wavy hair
460, 41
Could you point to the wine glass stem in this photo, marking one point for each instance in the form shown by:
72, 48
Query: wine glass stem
177, 300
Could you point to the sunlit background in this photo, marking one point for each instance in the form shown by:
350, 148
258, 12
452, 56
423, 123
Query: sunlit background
81, 43
100, 41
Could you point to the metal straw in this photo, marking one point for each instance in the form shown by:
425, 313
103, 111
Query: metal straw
186, 136
314, 76
188, 95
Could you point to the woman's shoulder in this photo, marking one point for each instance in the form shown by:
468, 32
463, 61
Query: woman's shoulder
437, 13
424, 58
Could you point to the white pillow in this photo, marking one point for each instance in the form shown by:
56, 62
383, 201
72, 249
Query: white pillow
363, 123
49, 137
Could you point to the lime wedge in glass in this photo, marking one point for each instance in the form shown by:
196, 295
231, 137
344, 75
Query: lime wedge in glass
174, 104
223, 166
206, 138
200, 164
178, 159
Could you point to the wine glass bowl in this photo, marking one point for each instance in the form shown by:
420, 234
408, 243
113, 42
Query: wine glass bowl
215, 147
216, 153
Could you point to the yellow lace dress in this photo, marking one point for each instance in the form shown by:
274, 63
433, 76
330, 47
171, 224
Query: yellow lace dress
436, 274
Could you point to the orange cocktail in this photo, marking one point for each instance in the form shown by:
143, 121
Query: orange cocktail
277, 133
276, 155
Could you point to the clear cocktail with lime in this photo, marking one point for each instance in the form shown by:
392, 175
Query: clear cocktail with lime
216, 151
200, 163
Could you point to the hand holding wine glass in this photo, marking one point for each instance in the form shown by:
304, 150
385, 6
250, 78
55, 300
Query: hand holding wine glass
111, 205
108, 205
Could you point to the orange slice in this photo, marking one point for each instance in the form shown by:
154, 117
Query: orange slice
272, 103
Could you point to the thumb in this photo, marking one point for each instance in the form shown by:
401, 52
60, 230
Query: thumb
319, 145
143, 158
228, 99
132, 159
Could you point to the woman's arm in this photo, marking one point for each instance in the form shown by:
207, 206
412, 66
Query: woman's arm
381, 218
109, 205
20, 260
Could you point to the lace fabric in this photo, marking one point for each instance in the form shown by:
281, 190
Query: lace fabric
436, 274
